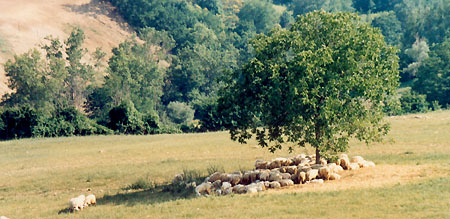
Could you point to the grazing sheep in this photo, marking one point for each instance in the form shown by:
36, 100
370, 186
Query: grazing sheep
76, 204
252, 190
319, 181
323, 162
335, 176
357, 159
264, 175
259, 164
217, 184
286, 182
275, 164
285, 176
90, 200
239, 189
214, 177
325, 173
275, 176
274, 185
353, 166
235, 179
312, 174
345, 163
370, 164
203, 189
291, 169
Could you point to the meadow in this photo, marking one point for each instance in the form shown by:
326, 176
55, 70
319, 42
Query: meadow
39, 176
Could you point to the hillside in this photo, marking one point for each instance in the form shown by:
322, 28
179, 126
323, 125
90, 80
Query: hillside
25, 23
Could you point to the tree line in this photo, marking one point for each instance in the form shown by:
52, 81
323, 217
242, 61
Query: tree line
170, 77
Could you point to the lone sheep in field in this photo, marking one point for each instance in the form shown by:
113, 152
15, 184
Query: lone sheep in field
90, 200
76, 204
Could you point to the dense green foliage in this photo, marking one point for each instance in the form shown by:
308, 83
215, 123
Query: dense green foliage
185, 50
321, 82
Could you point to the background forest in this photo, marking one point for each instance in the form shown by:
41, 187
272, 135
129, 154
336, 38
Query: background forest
168, 78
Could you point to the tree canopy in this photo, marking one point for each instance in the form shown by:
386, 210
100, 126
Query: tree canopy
321, 82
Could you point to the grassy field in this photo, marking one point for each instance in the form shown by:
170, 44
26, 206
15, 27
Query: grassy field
39, 176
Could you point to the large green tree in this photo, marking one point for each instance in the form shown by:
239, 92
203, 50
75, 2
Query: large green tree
321, 82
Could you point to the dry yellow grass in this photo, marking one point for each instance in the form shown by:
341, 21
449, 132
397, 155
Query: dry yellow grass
25, 23
39, 176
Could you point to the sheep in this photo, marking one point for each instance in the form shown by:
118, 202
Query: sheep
239, 189
285, 176
226, 188
286, 182
264, 175
345, 163
274, 185
319, 181
203, 189
292, 169
76, 204
275, 176
90, 200
357, 159
3, 217
335, 176
214, 177
259, 164
324, 173
323, 162
312, 174
353, 166
275, 164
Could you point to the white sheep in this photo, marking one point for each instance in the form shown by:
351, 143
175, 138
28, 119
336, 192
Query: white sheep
90, 200
353, 166
312, 174
76, 204
3, 217
204, 188
325, 173
335, 176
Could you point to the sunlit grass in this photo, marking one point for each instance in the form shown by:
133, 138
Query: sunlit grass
39, 176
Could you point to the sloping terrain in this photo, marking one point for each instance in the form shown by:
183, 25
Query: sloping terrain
25, 23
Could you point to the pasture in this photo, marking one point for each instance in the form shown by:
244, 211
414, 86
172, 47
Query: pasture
39, 176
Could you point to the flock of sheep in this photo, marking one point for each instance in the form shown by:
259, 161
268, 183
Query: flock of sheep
78, 203
279, 172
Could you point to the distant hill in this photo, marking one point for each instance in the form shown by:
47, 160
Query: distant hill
25, 23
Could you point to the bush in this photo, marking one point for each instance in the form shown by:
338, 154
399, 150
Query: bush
17, 122
126, 119
26, 122
413, 102
180, 113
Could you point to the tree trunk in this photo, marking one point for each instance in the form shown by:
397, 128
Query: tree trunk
318, 135
317, 156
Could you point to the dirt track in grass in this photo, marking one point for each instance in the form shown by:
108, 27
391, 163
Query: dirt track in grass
379, 176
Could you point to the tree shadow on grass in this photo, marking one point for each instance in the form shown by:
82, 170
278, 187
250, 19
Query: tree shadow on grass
155, 195
158, 194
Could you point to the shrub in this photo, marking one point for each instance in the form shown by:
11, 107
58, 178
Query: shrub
17, 122
180, 113
67, 122
126, 119
413, 102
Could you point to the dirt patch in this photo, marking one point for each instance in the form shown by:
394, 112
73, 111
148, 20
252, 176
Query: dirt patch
379, 176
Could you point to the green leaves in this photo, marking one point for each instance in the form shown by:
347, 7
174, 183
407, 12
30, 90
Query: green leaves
321, 82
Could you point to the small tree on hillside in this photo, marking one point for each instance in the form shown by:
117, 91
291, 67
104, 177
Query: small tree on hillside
321, 82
